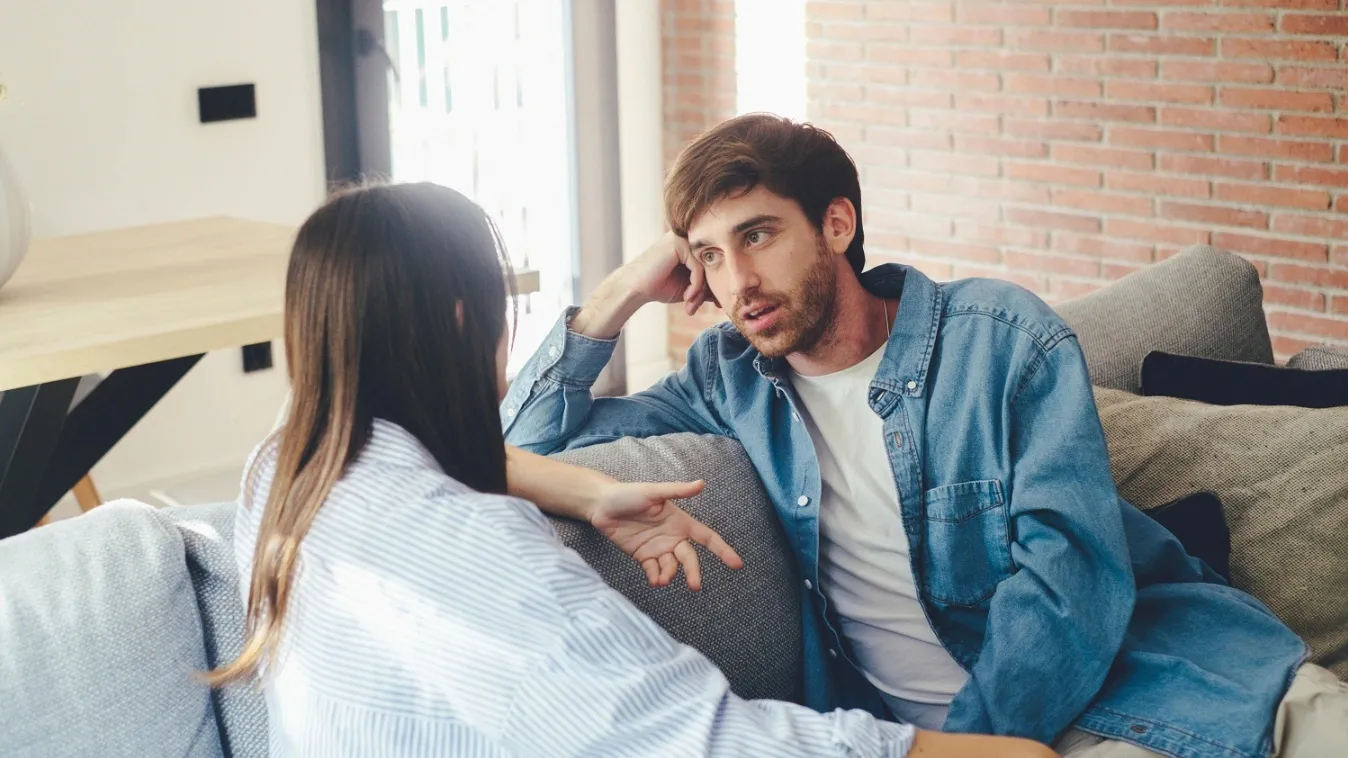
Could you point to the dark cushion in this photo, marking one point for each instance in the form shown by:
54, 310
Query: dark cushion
748, 621
1201, 302
1199, 523
1217, 382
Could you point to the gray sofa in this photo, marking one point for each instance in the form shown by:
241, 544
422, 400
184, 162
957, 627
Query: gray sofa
105, 618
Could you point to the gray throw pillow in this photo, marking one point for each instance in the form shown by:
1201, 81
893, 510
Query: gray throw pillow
1280, 473
748, 621
1320, 359
99, 641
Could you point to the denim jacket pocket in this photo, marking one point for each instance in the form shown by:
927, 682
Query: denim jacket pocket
968, 548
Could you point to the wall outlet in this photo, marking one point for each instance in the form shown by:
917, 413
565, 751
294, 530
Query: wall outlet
226, 103
257, 357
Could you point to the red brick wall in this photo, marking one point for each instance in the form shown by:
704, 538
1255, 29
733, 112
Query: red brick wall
1064, 144
699, 88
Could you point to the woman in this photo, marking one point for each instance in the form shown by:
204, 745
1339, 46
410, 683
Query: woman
428, 611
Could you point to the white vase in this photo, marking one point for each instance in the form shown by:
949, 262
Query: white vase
15, 221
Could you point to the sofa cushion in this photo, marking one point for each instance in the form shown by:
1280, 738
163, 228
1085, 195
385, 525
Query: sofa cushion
748, 621
1215, 382
100, 639
1279, 472
1202, 302
1321, 358
207, 532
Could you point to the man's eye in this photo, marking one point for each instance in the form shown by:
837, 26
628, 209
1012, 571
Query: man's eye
756, 237
709, 257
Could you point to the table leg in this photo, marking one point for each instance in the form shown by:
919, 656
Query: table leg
31, 419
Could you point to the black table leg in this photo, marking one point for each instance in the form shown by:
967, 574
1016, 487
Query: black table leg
31, 419
46, 446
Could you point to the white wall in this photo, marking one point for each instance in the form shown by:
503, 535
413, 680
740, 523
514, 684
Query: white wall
641, 165
101, 123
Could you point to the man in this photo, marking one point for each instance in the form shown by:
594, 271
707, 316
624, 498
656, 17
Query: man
935, 456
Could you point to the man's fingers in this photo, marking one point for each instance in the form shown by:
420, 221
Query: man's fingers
692, 571
705, 536
674, 490
669, 567
652, 568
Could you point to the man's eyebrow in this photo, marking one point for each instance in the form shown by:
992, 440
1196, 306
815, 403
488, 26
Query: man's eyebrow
740, 228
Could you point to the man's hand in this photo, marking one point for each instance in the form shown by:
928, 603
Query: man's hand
640, 519
943, 745
664, 273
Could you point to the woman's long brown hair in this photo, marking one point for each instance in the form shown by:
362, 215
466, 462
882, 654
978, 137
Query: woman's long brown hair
395, 304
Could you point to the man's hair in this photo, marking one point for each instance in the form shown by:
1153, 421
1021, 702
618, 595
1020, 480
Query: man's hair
794, 160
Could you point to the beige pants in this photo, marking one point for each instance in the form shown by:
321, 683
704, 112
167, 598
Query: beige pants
1311, 722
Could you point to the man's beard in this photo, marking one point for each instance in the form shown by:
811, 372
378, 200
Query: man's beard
806, 312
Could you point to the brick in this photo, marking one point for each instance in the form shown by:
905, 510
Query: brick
916, 225
1339, 255
1161, 138
956, 250
1217, 22
1272, 247
1222, 72
1106, 65
1286, 347
1116, 271
1025, 261
1104, 112
1002, 60
954, 121
1071, 131
1214, 214
1102, 247
1315, 276
860, 33
1158, 185
908, 98
954, 80
956, 35
1103, 156
865, 114
1001, 235
834, 51
1323, 25
831, 90
1012, 191
1341, 205
1278, 49
1299, 323
817, 11
1062, 86
956, 206
1030, 281
941, 271
1335, 78
1275, 148
1128, 228
1052, 173
1106, 19
1217, 120
1055, 41
1038, 218
1004, 104
1314, 126
1311, 226
909, 11
972, 165
1340, 306
999, 14
1166, 93
1328, 177
1294, 297
1265, 194
1276, 99
909, 55
1068, 289
1162, 45
1103, 202
1282, 4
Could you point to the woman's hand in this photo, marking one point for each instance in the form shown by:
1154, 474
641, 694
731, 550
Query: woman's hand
943, 745
640, 519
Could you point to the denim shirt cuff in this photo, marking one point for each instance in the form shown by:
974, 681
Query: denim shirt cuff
573, 359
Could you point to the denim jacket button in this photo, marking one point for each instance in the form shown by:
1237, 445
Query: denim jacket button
833, 653
1138, 729
552, 351
912, 385
510, 412
809, 585
803, 501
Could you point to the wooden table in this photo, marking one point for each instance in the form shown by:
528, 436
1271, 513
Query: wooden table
143, 303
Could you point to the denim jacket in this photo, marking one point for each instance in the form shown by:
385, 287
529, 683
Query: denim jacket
1066, 605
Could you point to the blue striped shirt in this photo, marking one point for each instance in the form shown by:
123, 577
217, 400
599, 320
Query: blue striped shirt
430, 619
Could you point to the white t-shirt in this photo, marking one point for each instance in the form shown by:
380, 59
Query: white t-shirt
863, 551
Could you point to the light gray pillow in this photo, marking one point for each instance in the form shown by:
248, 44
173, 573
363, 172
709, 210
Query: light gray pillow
99, 639
748, 621
1280, 473
1320, 359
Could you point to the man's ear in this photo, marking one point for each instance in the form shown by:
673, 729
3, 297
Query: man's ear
839, 225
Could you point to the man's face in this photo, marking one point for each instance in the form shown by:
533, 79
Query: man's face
770, 268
